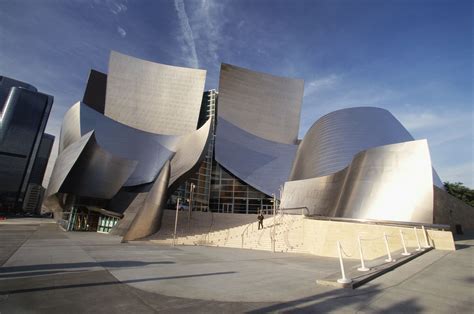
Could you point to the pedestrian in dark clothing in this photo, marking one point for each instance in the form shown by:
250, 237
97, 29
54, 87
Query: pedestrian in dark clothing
260, 220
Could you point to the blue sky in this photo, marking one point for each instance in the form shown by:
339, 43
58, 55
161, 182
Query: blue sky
414, 58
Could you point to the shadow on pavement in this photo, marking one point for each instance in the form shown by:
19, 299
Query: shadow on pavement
107, 264
337, 299
85, 285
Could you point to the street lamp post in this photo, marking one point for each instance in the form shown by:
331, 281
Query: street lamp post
191, 194
273, 231
176, 221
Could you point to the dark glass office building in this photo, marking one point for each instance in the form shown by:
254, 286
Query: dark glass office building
24, 113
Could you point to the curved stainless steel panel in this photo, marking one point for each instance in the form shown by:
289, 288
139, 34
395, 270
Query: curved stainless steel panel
331, 143
263, 164
85, 169
392, 182
71, 127
190, 151
264, 105
150, 150
94, 95
148, 220
147, 95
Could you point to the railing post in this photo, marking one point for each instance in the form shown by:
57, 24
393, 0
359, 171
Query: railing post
362, 264
405, 252
417, 240
176, 222
427, 244
344, 279
274, 224
389, 256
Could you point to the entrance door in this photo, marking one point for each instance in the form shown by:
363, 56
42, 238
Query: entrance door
267, 209
227, 208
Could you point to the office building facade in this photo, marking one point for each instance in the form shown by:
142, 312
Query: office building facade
24, 148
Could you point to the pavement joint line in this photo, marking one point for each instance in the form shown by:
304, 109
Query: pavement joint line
43, 275
424, 268
396, 286
18, 247
134, 292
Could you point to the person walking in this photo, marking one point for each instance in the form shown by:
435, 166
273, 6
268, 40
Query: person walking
260, 220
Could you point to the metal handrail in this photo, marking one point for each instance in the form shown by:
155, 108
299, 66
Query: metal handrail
205, 237
381, 222
289, 227
245, 231
304, 210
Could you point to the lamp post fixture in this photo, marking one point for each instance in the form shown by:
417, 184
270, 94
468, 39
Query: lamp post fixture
191, 194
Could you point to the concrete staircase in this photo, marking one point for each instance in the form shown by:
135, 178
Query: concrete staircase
227, 230
293, 233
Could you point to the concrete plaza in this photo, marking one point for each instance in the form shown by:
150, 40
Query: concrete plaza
46, 270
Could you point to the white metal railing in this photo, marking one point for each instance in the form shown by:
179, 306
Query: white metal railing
340, 251
385, 237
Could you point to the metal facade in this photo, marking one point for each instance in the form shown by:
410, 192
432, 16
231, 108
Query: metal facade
149, 123
147, 95
263, 164
355, 162
391, 182
264, 105
331, 143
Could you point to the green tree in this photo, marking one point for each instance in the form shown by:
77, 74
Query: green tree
460, 191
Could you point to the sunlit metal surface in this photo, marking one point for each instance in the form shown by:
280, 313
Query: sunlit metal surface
263, 164
190, 150
391, 182
153, 97
150, 150
333, 140
150, 117
264, 105
148, 219
257, 126
86, 169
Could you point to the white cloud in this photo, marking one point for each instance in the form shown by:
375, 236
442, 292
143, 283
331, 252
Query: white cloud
121, 32
188, 43
429, 119
117, 8
319, 84
207, 21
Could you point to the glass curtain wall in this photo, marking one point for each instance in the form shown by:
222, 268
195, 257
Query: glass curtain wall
231, 195
215, 188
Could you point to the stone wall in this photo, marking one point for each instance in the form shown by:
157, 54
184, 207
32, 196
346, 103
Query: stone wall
452, 211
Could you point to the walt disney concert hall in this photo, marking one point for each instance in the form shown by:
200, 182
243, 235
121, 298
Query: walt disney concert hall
146, 134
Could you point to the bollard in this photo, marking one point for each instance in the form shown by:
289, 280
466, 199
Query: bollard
389, 256
344, 279
427, 244
417, 240
362, 264
405, 252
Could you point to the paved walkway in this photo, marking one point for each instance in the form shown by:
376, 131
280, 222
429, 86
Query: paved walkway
45, 270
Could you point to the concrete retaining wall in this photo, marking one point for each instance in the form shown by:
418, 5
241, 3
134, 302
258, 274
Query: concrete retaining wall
293, 233
452, 211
